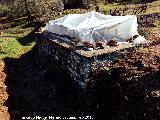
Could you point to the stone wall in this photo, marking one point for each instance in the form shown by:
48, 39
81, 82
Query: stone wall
79, 66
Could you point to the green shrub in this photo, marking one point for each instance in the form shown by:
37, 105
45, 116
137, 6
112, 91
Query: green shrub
3, 10
36, 8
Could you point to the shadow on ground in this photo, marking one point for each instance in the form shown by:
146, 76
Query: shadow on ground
121, 99
36, 90
41, 89
28, 39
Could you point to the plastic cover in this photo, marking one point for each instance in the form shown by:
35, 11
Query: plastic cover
93, 26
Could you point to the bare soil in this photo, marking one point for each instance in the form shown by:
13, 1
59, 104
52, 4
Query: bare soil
4, 115
130, 91
29, 88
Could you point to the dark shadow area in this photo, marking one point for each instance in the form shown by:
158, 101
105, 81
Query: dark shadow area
40, 89
120, 99
28, 39
72, 4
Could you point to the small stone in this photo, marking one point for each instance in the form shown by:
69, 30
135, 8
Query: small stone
113, 42
76, 41
100, 44
135, 36
155, 93
86, 43
130, 40
126, 98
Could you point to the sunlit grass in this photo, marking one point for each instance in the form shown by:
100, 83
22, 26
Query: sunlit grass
153, 7
9, 44
12, 32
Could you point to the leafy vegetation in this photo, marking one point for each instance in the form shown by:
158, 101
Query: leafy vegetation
3, 9
34, 8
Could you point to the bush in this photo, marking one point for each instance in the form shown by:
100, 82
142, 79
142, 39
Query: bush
3, 10
36, 8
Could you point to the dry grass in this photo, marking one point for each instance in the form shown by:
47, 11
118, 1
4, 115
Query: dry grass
153, 7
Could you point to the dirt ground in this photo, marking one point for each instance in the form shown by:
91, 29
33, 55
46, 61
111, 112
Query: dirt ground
129, 91
29, 88
4, 115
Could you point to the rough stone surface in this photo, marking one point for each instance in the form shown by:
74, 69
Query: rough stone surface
78, 63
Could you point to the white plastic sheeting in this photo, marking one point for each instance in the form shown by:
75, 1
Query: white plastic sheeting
93, 26
139, 40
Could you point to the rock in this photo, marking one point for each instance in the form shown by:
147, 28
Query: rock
100, 44
130, 40
113, 42
87, 44
75, 41
155, 93
135, 36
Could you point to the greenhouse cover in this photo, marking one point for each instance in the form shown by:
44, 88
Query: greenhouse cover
94, 26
